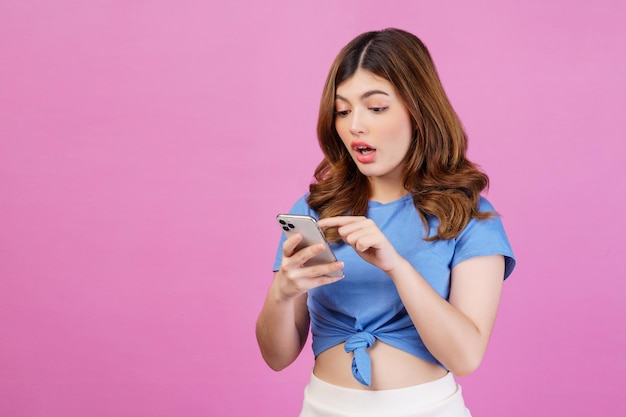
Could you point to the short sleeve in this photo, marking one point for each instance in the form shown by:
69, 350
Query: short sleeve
300, 207
484, 238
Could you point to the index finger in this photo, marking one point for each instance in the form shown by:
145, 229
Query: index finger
338, 221
290, 244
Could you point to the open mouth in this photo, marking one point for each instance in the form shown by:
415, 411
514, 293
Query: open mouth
364, 149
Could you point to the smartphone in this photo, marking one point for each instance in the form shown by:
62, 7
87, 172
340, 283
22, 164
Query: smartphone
311, 234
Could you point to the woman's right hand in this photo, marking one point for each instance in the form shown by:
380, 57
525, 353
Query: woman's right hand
293, 278
283, 324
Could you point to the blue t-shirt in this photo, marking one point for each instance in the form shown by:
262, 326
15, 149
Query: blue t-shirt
365, 305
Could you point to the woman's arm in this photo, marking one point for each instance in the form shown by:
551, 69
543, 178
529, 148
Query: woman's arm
282, 328
283, 324
455, 332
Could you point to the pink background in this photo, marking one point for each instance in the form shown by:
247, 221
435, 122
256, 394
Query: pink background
146, 146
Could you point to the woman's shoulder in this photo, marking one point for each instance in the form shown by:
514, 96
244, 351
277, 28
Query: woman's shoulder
485, 237
485, 205
301, 206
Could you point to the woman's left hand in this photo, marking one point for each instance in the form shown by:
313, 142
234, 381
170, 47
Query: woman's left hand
366, 239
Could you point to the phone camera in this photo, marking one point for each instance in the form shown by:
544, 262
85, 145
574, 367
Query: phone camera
285, 228
282, 222
291, 226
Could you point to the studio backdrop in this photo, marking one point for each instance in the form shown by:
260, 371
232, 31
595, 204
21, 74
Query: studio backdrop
147, 146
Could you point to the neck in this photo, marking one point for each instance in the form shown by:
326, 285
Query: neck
386, 191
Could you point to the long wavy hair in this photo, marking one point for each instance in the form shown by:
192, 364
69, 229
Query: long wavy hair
443, 182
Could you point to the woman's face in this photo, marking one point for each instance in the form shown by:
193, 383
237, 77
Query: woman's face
374, 125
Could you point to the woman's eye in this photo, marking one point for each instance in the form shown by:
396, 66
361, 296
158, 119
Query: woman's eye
378, 109
342, 113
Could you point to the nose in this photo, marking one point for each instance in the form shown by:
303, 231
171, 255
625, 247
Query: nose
357, 125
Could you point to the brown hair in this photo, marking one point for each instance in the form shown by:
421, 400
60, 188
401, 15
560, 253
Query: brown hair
443, 182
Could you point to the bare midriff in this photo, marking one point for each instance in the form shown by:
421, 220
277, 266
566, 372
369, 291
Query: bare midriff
391, 368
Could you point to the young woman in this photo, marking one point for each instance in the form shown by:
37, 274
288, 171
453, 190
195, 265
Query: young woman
424, 255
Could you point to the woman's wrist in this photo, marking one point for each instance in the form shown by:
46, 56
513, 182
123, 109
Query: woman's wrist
399, 268
278, 294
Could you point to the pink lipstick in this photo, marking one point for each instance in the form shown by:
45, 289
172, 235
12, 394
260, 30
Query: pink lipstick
364, 153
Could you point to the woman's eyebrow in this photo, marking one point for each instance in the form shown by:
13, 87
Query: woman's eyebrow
363, 96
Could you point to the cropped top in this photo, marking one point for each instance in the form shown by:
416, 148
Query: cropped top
365, 305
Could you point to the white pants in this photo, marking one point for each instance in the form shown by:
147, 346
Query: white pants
439, 398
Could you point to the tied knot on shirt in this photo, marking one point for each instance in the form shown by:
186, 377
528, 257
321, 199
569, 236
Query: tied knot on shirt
361, 362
